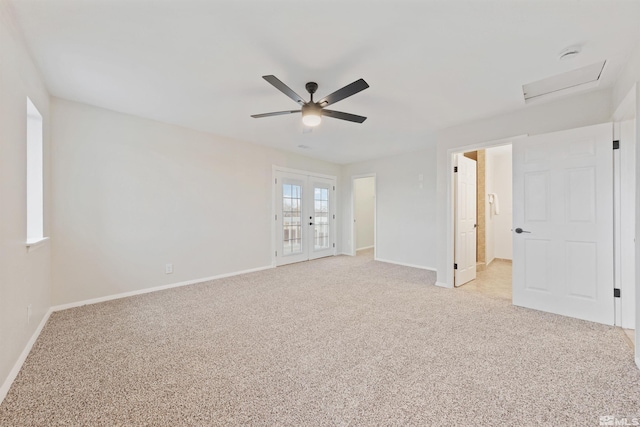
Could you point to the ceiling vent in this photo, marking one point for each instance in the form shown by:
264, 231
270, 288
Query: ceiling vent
565, 83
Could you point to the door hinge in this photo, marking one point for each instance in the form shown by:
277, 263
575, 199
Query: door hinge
276, 217
455, 169
334, 217
334, 188
616, 145
334, 245
276, 253
616, 293
455, 266
276, 180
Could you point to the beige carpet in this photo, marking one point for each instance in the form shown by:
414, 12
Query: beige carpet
338, 341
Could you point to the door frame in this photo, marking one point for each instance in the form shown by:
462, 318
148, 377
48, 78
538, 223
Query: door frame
629, 108
623, 174
274, 232
450, 251
353, 212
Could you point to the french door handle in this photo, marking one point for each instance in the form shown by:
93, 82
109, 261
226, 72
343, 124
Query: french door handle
310, 223
520, 230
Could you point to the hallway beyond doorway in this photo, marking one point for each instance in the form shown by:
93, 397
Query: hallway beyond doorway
494, 281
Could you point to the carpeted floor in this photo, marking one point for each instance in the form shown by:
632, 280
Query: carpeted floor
337, 341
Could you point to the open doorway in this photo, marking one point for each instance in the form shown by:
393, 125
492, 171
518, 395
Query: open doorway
364, 215
563, 222
483, 237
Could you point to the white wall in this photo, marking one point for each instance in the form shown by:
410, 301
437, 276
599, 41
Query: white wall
364, 191
489, 245
499, 181
24, 277
629, 76
132, 194
577, 111
413, 226
405, 207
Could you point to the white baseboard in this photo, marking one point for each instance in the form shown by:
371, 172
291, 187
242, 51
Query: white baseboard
443, 285
345, 253
366, 247
404, 264
499, 259
23, 356
154, 289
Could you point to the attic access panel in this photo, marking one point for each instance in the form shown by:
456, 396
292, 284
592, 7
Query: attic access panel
580, 78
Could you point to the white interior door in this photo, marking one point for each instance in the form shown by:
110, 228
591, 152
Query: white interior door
304, 217
465, 219
563, 220
321, 217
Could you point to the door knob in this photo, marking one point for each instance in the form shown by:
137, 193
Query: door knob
310, 223
520, 230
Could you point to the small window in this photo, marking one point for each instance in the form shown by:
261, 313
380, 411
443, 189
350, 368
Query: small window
35, 185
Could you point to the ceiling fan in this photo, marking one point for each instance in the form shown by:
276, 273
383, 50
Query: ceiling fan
312, 111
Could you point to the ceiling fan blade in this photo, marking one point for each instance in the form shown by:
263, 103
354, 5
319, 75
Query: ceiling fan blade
343, 116
284, 89
345, 92
277, 113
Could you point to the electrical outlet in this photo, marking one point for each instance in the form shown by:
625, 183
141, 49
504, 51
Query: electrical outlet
28, 314
168, 269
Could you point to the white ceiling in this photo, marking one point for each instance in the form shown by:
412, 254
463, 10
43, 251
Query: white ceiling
430, 64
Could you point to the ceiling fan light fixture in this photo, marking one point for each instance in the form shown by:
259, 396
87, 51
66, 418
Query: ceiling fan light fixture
311, 115
311, 119
312, 111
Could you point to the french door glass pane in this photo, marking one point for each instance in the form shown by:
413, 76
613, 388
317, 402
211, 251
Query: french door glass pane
321, 218
291, 219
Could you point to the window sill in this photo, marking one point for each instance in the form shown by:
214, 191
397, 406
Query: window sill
34, 244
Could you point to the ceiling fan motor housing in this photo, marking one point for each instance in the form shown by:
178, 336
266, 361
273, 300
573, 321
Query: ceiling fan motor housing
311, 108
312, 87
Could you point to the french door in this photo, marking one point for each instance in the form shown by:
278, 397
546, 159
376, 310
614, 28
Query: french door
304, 216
